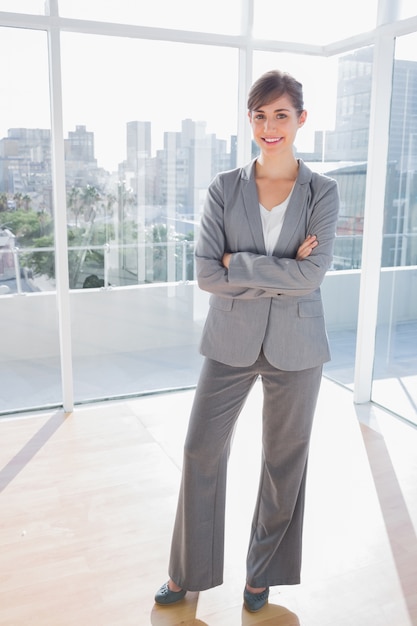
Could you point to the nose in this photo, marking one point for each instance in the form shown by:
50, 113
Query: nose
269, 123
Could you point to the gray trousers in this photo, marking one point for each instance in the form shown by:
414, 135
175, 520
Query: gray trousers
274, 554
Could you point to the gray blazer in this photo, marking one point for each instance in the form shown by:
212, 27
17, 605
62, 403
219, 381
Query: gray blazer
272, 302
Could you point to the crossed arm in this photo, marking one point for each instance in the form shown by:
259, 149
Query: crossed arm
248, 275
306, 248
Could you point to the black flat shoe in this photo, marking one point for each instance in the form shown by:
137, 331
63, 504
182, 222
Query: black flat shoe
165, 596
255, 601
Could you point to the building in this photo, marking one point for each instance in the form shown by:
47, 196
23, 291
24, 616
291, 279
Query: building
348, 142
25, 165
81, 167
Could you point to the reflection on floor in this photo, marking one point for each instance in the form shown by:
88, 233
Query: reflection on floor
395, 366
87, 503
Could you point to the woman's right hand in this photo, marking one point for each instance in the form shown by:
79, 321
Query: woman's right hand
306, 248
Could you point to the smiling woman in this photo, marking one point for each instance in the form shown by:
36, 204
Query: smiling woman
265, 320
274, 129
276, 113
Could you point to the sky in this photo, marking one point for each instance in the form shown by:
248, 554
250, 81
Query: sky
108, 81
105, 86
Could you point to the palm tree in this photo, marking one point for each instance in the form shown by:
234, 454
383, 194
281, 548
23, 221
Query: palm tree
90, 196
26, 200
17, 197
111, 199
3, 202
74, 203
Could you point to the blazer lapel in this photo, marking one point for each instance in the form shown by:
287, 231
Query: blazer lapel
251, 205
295, 212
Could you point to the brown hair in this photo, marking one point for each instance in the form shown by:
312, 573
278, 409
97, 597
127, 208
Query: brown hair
271, 86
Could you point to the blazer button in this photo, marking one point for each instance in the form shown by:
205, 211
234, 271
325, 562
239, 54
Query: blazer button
279, 294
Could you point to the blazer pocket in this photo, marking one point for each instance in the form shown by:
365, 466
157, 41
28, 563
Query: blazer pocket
310, 308
222, 304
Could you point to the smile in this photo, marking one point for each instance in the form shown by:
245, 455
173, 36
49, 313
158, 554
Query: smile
272, 139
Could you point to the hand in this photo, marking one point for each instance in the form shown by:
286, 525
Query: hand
306, 248
226, 259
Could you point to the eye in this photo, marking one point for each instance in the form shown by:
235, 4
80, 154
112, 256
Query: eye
259, 116
281, 116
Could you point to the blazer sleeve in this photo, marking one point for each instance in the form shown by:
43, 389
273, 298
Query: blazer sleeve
286, 276
212, 276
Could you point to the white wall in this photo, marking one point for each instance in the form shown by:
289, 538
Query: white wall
142, 318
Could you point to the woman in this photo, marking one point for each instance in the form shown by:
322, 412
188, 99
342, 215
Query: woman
265, 244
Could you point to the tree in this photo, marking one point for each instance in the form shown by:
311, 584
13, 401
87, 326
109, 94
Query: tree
27, 226
159, 235
74, 202
3, 202
18, 198
26, 200
90, 197
42, 262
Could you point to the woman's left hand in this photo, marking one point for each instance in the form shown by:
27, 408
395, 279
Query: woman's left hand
306, 248
226, 259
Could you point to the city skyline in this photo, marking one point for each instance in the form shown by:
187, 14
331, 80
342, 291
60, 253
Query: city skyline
105, 95
171, 184
71, 131
108, 80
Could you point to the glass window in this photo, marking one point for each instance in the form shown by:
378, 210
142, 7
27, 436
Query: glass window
35, 7
142, 143
334, 141
395, 369
407, 8
181, 14
320, 22
337, 95
29, 356
26, 212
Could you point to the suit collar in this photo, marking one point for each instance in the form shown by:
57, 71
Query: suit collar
251, 204
304, 172
294, 213
292, 216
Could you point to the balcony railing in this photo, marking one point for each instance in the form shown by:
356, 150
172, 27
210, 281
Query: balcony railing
25, 270
97, 266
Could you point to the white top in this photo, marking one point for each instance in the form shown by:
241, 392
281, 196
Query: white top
272, 223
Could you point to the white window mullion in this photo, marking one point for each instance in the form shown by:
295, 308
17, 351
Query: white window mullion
374, 216
244, 133
60, 218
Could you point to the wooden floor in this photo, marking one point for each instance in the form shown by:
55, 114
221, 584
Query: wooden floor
87, 503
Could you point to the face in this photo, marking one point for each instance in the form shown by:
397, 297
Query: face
275, 125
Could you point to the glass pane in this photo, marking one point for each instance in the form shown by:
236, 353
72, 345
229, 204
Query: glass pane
408, 8
26, 216
329, 144
303, 21
29, 355
181, 14
130, 341
334, 141
35, 7
141, 149
395, 370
